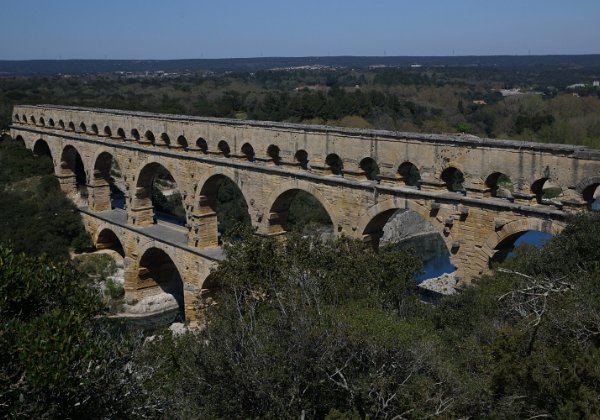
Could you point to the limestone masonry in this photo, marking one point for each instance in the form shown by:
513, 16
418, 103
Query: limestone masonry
360, 176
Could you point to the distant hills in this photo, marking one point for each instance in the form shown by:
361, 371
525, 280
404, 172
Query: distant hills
53, 67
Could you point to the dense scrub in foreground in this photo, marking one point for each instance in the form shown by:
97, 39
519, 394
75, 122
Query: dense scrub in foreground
317, 329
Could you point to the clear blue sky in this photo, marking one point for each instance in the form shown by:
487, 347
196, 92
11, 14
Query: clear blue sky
167, 29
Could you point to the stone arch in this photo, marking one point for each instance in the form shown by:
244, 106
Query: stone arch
587, 188
165, 140
370, 225
94, 129
16, 118
41, 121
121, 133
41, 148
248, 151
545, 188
273, 221
51, 123
19, 139
32, 120
149, 137
71, 126
409, 174
25, 121
454, 179
158, 272
107, 131
72, 175
135, 134
202, 145
301, 157
61, 124
101, 186
369, 168
334, 164
182, 142
511, 231
499, 185
142, 211
273, 152
224, 148
206, 231
82, 127
108, 239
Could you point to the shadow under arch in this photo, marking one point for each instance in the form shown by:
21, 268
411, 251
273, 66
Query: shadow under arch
105, 193
297, 209
72, 175
158, 274
222, 205
108, 239
148, 201
41, 148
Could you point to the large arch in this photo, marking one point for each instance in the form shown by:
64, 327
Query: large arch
589, 189
279, 200
72, 175
103, 189
206, 232
278, 219
142, 211
158, 273
41, 148
108, 239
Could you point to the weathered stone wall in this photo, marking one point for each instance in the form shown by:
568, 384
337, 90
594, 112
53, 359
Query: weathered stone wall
472, 223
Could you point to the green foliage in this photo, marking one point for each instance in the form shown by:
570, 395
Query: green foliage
96, 266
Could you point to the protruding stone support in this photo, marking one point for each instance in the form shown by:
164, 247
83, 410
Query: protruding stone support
68, 184
573, 202
141, 211
99, 196
203, 231
524, 198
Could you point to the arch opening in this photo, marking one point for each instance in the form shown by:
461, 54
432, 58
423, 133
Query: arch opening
149, 137
224, 148
403, 228
500, 185
157, 197
223, 208
158, 275
454, 180
108, 187
72, 175
32, 120
370, 169
135, 134
274, 154
41, 121
71, 126
409, 174
107, 239
507, 247
41, 149
25, 119
107, 131
51, 122
591, 194
301, 157
61, 124
300, 211
19, 139
165, 140
182, 142
335, 164
202, 145
546, 191
94, 129
248, 152
17, 118
82, 127
121, 133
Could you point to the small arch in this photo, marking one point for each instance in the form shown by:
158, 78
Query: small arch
41, 121
591, 194
165, 140
135, 134
409, 174
454, 179
335, 164
149, 137
202, 145
17, 118
224, 148
545, 190
82, 127
71, 126
182, 142
107, 239
506, 247
121, 133
21, 142
61, 124
71, 167
94, 129
500, 185
158, 273
273, 152
107, 131
370, 169
51, 122
301, 157
248, 151
32, 120
25, 119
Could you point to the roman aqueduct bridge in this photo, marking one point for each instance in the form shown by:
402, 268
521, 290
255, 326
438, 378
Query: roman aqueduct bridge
361, 177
